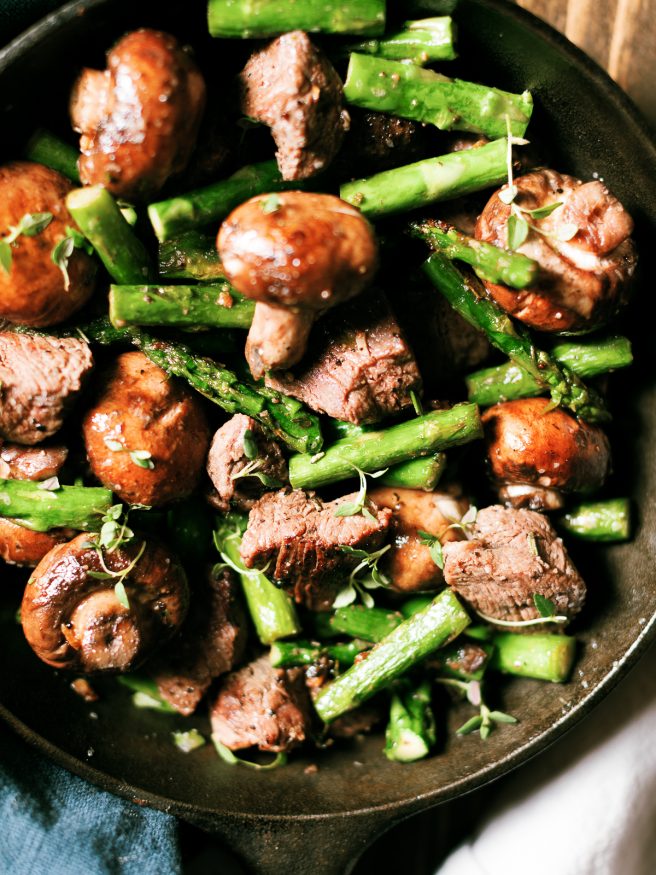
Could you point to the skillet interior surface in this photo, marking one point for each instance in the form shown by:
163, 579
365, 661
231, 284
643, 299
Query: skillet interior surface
591, 128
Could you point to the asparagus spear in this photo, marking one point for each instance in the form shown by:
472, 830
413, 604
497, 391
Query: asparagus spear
357, 621
420, 42
409, 91
425, 182
45, 148
102, 223
489, 262
36, 507
514, 340
263, 18
375, 450
286, 654
410, 732
408, 644
198, 307
271, 610
212, 203
543, 656
585, 358
599, 520
192, 255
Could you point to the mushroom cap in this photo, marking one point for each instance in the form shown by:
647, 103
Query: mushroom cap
298, 249
75, 621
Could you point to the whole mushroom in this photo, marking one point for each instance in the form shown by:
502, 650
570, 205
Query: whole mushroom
536, 453
73, 618
296, 254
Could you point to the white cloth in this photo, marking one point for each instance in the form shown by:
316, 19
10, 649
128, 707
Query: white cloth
587, 806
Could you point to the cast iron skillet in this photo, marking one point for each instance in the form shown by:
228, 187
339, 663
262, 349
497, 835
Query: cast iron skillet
317, 823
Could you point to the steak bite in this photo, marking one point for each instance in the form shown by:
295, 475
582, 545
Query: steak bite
40, 378
360, 368
139, 118
299, 537
210, 643
291, 86
242, 462
261, 706
512, 556
585, 252
536, 452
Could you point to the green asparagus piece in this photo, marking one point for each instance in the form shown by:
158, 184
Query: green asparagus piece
271, 610
287, 654
442, 621
37, 507
102, 223
606, 521
213, 203
192, 256
409, 91
374, 450
286, 418
410, 732
420, 42
585, 358
46, 148
199, 307
489, 262
542, 656
514, 340
415, 603
416, 474
357, 621
146, 693
425, 182
253, 19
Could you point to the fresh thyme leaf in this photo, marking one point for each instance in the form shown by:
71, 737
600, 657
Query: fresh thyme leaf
348, 509
60, 255
100, 575
229, 757
108, 532
271, 203
34, 223
142, 458
501, 717
188, 741
532, 544
567, 232
121, 594
468, 519
5, 256
50, 485
517, 231
545, 607
345, 597
114, 512
79, 240
250, 446
360, 503
416, 403
113, 445
543, 212
485, 730
508, 194
434, 547
471, 725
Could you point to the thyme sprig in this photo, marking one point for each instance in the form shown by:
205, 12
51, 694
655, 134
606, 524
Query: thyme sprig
29, 226
358, 585
361, 503
434, 542
115, 533
486, 720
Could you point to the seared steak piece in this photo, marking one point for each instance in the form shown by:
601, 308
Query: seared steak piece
40, 377
210, 643
301, 537
239, 447
31, 463
512, 555
468, 658
261, 706
290, 86
360, 367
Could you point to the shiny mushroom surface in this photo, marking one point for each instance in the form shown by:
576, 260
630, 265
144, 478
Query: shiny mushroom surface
139, 118
72, 616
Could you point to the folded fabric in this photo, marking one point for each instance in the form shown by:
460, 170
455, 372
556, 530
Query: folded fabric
587, 806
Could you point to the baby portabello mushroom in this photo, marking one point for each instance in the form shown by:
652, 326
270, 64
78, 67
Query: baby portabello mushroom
536, 452
146, 435
139, 118
296, 254
74, 619
583, 246
34, 220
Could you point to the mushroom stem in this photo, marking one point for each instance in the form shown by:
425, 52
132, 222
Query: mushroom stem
278, 338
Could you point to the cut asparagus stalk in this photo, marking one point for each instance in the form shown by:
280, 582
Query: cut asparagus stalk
197, 307
514, 340
35, 507
192, 256
374, 450
417, 473
102, 223
357, 621
604, 521
585, 358
542, 656
47, 149
271, 610
410, 732
425, 182
489, 262
287, 654
442, 621
420, 42
262, 18
409, 91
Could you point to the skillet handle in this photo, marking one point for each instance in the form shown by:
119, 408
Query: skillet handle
324, 846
